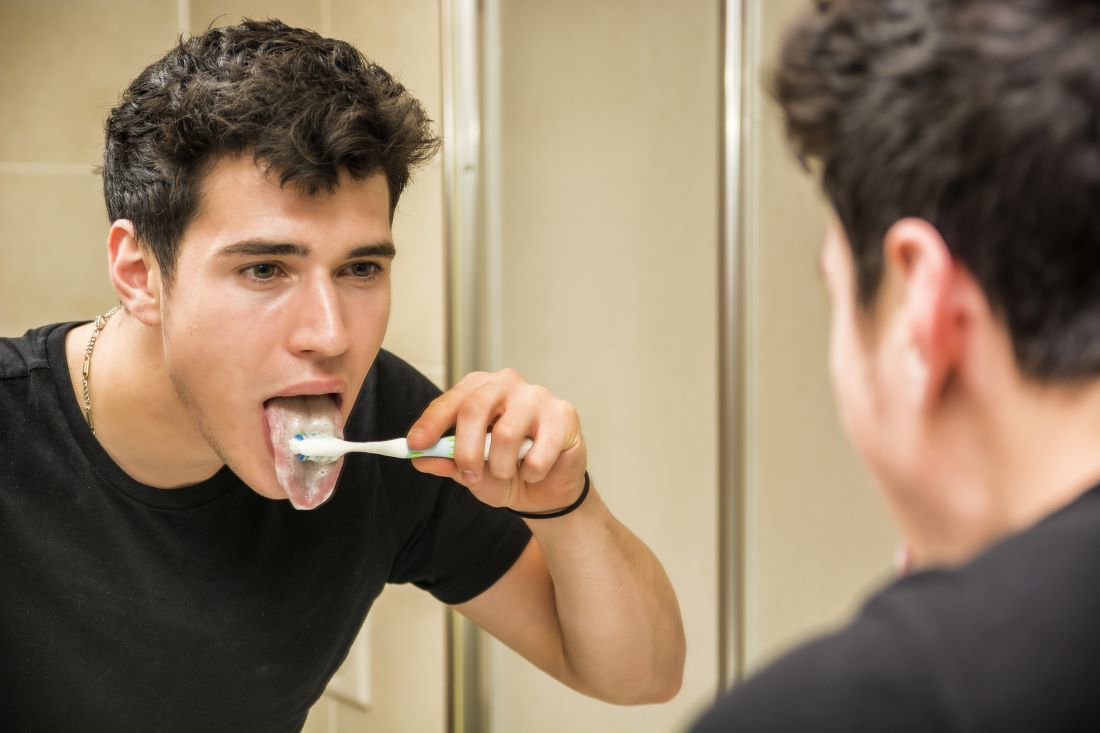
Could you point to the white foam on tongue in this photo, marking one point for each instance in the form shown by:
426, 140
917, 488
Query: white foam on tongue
308, 484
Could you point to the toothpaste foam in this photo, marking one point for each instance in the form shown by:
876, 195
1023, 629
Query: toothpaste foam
308, 484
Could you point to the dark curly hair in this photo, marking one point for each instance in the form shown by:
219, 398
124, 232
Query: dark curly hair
981, 117
304, 107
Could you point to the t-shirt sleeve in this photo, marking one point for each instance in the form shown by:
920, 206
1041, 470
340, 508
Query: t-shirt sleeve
865, 677
460, 546
447, 542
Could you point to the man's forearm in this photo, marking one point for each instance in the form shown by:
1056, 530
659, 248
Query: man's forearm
622, 635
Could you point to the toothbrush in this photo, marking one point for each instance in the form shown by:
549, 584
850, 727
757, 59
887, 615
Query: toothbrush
327, 448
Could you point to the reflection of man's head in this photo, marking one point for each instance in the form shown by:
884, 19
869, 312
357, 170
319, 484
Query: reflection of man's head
981, 118
959, 145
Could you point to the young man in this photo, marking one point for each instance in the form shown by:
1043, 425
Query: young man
959, 143
154, 577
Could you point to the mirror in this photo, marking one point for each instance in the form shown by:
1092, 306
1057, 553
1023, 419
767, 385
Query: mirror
575, 234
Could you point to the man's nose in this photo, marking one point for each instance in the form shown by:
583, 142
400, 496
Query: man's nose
319, 324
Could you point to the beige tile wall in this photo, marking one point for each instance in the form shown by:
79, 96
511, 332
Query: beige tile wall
61, 69
62, 66
53, 258
299, 13
609, 221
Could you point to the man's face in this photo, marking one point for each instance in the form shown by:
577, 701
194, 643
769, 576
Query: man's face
275, 294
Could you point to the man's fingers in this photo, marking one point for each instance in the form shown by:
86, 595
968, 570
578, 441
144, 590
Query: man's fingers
440, 415
476, 413
444, 467
492, 491
543, 455
488, 489
512, 411
516, 424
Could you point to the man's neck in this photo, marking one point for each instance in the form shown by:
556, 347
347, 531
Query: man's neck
1049, 452
138, 417
1028, 453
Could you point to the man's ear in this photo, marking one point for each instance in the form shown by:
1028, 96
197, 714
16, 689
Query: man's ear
135, 274
921, 263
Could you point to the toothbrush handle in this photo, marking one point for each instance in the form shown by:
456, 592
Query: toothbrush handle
445, 448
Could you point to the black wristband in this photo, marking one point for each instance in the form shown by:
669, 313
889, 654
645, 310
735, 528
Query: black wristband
559, 512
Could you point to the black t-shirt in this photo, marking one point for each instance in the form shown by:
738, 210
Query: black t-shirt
1009, 642
206, 608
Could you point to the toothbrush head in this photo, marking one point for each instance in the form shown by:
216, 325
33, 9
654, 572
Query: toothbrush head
306, 446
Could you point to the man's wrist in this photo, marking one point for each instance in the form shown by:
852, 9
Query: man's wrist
558, 512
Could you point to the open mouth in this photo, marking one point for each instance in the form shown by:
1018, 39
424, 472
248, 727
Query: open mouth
308, 484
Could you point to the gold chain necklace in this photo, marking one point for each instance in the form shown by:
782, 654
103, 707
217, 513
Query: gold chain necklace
100, 322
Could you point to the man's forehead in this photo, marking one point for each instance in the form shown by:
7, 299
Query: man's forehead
243, 205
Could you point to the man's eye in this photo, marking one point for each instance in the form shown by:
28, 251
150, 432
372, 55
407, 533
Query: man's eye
364, 269
261, 271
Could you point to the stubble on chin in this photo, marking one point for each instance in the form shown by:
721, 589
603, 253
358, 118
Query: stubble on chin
202, 423
193, 409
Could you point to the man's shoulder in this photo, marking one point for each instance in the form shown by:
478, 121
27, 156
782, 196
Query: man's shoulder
1042, 577
948, 649
399, 382
964, 648
985, 625
395, 371
863, 677
393, 396
20, 355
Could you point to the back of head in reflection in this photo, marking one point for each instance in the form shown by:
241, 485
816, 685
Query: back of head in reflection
959, 146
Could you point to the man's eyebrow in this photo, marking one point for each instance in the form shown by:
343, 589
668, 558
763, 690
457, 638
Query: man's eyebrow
262, 249
380, 249
250, 248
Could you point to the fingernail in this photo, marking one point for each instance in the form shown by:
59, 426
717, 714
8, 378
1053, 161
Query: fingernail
415, 434
469, 476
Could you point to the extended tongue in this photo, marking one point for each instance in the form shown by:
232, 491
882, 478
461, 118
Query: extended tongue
307, 484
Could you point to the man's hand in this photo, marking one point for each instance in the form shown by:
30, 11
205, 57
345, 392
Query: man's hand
551, 477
